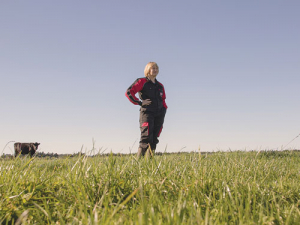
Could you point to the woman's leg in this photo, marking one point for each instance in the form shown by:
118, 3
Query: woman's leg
146, 126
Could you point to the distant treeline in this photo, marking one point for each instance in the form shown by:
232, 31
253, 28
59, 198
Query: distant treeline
55, 155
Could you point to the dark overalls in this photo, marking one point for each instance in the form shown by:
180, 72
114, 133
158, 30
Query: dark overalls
151, 116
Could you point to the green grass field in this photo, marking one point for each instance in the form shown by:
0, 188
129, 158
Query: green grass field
189, 188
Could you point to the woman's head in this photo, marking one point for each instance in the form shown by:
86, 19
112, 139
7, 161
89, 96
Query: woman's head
151, 69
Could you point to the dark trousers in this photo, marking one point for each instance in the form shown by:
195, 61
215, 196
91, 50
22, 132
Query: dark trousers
151, 124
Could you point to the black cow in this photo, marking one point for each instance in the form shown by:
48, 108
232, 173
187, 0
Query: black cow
25, 148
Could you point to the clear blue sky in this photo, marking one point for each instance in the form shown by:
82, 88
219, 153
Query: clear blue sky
230, 69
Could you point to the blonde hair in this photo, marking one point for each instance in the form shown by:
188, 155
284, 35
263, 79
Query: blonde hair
148, 67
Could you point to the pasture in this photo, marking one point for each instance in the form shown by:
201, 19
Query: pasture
190, 188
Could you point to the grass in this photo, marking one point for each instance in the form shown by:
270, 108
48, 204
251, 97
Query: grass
219, 188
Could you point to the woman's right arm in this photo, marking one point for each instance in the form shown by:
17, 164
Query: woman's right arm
133, 89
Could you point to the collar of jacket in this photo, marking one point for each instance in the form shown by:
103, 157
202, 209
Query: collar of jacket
151, 80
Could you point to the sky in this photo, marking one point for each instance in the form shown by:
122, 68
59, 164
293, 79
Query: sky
230, 71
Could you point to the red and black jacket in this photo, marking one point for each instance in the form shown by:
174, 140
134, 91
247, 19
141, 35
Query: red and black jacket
147, 90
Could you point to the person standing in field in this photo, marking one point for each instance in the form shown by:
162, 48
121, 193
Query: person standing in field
153, 107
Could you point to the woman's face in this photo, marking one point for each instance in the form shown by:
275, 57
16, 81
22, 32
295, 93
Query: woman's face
153, 71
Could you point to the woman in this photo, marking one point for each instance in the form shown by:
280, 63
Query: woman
153, 107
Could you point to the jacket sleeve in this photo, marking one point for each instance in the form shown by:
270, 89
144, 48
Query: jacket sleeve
133, 89
163, 96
